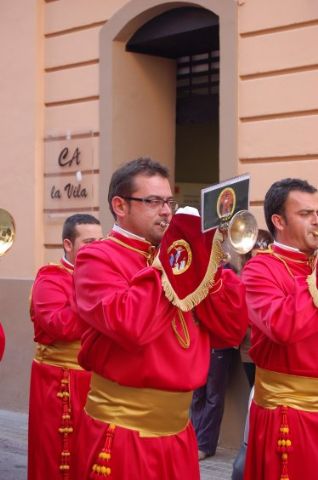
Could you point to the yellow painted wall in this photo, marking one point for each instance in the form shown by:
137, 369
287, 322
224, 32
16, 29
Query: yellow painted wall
21, 120
278, 97
57, 55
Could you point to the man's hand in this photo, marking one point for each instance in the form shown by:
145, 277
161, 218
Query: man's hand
219, 254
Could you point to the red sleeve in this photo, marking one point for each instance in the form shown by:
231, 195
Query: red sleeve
224, 311
53, 308
2, 341
132, 312
279, 305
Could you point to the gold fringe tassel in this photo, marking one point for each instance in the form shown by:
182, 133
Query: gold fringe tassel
66, 425
101, 468
284, 444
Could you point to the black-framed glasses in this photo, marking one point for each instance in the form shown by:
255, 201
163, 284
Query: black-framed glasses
156, 202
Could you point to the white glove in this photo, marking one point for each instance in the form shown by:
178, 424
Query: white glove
188, 211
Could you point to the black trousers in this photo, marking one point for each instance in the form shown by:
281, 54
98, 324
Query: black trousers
208, 401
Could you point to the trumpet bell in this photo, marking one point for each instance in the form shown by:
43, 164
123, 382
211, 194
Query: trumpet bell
242, 231
7, 231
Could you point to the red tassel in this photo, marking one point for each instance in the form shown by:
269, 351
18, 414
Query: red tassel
66, 428
284, 444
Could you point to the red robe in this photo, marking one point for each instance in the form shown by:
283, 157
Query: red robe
129, 340
55, 320
284, 339
2, 341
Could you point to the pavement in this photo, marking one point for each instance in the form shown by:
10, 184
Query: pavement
13, 452
218, 467
13, 445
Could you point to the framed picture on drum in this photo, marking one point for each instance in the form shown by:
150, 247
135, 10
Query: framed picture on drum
221, 201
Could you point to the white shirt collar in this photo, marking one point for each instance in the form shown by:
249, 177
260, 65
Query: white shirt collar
67, 262
124, 232
286, 247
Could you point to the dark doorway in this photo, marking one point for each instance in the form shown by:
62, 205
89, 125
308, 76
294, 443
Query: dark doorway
190, 35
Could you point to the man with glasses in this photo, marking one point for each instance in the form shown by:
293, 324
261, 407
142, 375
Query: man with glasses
146, 355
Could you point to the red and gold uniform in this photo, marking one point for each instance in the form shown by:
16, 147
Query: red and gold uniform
59, 385
2, 341
284, 414
147, 357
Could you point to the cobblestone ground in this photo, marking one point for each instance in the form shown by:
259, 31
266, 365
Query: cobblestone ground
13, 452
13, 445
218, 467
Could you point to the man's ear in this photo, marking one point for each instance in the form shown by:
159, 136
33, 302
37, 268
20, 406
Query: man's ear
67, 245
120, 206
278, 221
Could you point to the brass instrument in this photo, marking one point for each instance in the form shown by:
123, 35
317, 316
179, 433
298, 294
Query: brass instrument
241, 231
7, 231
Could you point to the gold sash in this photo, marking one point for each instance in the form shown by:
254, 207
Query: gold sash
59, 354
273, 389
151, 412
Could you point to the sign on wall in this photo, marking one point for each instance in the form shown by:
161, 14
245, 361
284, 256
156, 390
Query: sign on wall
70, 176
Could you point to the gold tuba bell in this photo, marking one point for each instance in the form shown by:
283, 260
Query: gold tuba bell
7, 231
242, 231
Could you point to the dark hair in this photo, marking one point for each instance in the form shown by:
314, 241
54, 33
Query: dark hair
276, 197
69, 227
122, 181
264, 239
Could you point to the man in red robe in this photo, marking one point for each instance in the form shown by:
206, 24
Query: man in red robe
147, 356
281, 289
59, 385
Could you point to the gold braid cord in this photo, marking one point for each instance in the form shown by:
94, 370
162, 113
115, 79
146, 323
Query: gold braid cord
200, 293
312, 286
